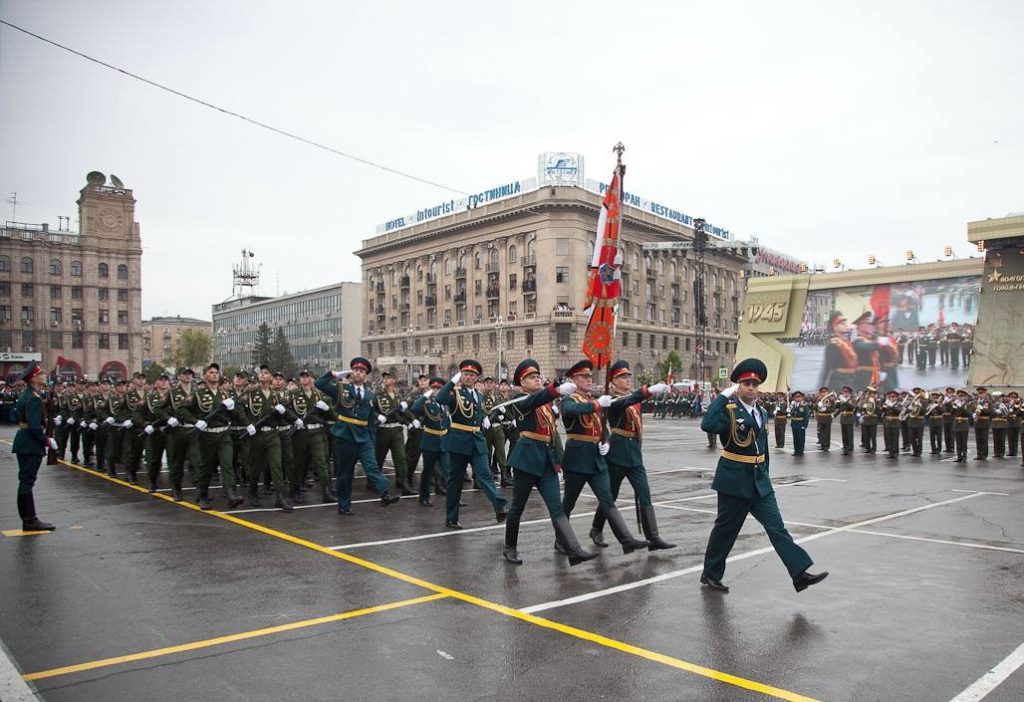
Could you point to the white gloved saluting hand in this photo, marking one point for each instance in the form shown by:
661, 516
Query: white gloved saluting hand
457, 377
731, 390
342, 374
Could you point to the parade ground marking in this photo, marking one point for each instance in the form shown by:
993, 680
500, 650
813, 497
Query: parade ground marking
572, 631
22, 532
980, 688
230, 638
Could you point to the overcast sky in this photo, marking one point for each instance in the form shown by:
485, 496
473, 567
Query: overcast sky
826, 129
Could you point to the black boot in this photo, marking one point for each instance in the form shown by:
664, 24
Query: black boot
509, 552
153, 482
203, 500
297, 496
133, 478
506, 477
254, 495
27, 512
403, 487
597, 529
621, 531
232, 497
650, 527
388, 499
176, 492
565, 536
283, 503
327, 494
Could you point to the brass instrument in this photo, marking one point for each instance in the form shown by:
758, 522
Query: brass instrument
913, 408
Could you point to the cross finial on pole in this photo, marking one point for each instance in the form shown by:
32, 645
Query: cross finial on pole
618, 149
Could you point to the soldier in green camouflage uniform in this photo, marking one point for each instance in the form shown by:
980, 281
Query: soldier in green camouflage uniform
214, 409
390, 432
263, 412
309, 443
151, 416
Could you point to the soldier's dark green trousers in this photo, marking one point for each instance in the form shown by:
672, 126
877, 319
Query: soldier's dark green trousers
732, 511
156, 443
637, 476
433, 461
215, 450
799, 438
412, 452
131, 452
309, 448
574, 483
391, 439
495, 437
115, 446
287, 454
265, 455
182, 445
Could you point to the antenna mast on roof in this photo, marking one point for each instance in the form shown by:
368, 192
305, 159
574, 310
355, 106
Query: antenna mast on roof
245, 275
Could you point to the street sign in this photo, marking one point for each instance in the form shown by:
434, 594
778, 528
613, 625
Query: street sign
723, 373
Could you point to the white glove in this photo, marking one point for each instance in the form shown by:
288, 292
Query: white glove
57, 420
84, 424
279, 408
172, 422
731, 390
127, 424
342, 373
658, 389
404, 405
416, 424
229, 403
381, 419
321, 405
486, 423
566, 388
52, 443
108, 420
251, 429
201, 425
94, 426
149, 429
428, 393
457, 377
605, 401
603, 448
555, 410
501, 416
680, 386
299, 424
883, 375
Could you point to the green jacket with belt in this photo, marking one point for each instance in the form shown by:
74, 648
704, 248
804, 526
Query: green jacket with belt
534, 451
467, 412
435, 420
743, 466
28, 412
356, 418
581, 417
626, 425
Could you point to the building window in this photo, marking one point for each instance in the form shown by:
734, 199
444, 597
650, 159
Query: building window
477, 261
5, 288
104, 341
625, 340
510, 339
512, 254
26, 265
55, 292
122, 295
122, 342
528, 337
561, 247
563, 333
104, 271
56, 340
28, 341
448, 266
77, 339
76, 316
122, 317
5, 264
55, 315
104, 316
477, 287
675, 342
76, 292
512, 282
103, 293
458, 342
55, 267
122, 272
28, 315
664, 343
476, 340
76, 269
5, 316
651, 340
561, 274
444, 344
687, 345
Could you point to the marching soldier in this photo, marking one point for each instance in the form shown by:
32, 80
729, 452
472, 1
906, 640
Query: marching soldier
1013, 417
102, 412
961, 409
511, 433
310, 440
239, 438
495, 436
891, 424
214, 408
131, 455
585, 450
62, 433
435, 424
869, 420
279, 384
742, 481
88, 426
465, 444
935, 413
982, 423
119, 422
846, 408
76, 408
414, 434
953, 339
353, 433
183, 443
781, 415
390, 409
625, 460
534, 461
799, 416
31, 444
824, 410
152, 416
263, 411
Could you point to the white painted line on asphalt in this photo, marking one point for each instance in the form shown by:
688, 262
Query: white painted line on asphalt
12, 687
993, 678
1002, 494
544, 606
324, 504
966, 544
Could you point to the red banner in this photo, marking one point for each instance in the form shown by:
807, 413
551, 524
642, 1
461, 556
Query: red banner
605, 282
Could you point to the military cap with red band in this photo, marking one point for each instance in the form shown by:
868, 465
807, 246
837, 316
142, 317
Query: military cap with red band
471, 365
31, 372
361, 363
749, 369
525, 368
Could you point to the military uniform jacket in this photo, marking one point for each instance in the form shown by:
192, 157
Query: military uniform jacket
135, 399
211, 402
534, 450
869, 412
75, 407
181, 405
28, 412
119, 407
155, 408
581, 417
356, 421
935, 414
890, 414
304, 407
390, 406
88, 407
435, 420
799, 414
915, 416
626, 424
961, 416
102, 407
847, 411
257, 408
823, 410
467, 412
781, 412
982, 414
743, 467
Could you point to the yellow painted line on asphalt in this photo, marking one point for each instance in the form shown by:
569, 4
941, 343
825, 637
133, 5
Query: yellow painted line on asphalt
22, 532
582, 634
231, 638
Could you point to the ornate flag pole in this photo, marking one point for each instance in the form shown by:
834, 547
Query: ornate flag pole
605, 281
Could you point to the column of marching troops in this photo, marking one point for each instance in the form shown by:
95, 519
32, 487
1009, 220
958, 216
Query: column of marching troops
950, 418
288, 436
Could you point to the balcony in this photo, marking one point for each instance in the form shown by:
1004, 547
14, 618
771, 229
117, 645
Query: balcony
564, 314
430, 301
460, 273
530, 261
404, 307
379, 287
380, 310
431, 278
460, 298
530, 287
652, 272
493, 293
493, 268
404, 282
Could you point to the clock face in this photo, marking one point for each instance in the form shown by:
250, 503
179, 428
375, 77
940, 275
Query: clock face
110, 220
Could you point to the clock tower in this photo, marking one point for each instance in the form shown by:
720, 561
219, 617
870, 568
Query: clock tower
106, 212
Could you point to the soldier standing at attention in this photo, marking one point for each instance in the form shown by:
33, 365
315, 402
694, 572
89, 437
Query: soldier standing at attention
869, 420
1013, 418
799, 416
846, 406
465, 444
155, 410
934, 414
625, 460
781, 414
435, 425
953, 339
584, 460
742, 481
353, 433
214, 409
891, 424
915, 422
824, 409
961, 409
534, 462
947, 417
310, 440
982, 423
390, 409
414, 434
30, 445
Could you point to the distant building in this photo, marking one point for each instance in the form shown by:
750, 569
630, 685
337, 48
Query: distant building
75, 296
160, 337
322, 326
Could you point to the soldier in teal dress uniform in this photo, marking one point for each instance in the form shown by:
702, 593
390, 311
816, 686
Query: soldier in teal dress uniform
466, 444
30, 445
742, 480
585, 450
354, 432
799, 416
434, 425
533, 461
625, 459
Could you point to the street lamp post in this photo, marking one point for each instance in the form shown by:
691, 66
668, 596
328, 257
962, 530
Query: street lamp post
408, 355
499, 323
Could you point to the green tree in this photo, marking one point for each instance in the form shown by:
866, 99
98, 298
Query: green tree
263, 352
194, 348
644, 377
153, 371
672, 362
281, 355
